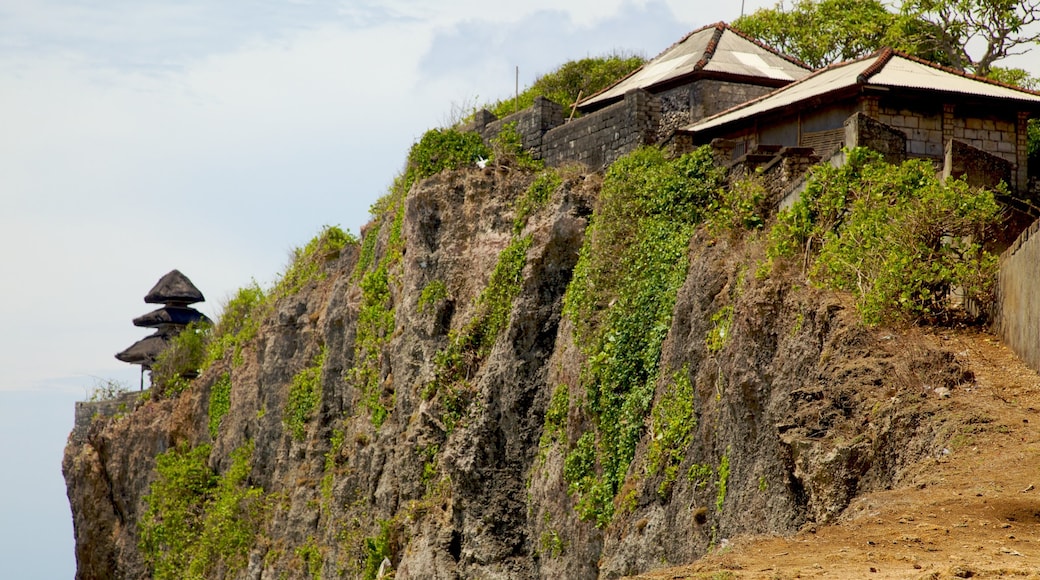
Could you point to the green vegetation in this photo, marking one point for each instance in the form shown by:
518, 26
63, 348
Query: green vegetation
182, 360
376, 317
723, 481
620, 300
379, 547
106, 390
468, 347
507, 149
718, 335
239, 323
197, 521
698, 475
310, 554
440, 150
894, 236
671, 430
304, 397
307, 263
820, 32
219, 403
536, 196
431, 294
555, 427
742, 206
584, 77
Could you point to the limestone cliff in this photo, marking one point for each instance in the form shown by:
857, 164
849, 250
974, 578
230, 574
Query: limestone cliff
451, 405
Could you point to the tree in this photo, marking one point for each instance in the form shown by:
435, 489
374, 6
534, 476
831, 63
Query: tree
954, 25
821, 32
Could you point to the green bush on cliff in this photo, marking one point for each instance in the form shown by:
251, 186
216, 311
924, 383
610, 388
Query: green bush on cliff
307, 263
894, 235
620, 301
238, 324
183, 359
219, 403
304, 397
377, 313
198, 521
584, 77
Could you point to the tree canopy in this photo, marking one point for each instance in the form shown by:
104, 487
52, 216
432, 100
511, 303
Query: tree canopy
820, 32
968, 35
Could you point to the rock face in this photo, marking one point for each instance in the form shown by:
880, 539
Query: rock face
426, 445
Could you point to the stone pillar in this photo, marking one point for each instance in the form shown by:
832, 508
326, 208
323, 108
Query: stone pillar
947, 123
1022, 152
870, 106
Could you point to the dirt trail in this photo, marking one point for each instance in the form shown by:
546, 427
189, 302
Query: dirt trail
972, 512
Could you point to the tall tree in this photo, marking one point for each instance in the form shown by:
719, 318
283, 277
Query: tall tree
820, 32
1000, 26
949, 32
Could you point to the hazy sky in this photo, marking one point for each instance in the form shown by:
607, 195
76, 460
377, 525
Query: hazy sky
141, 136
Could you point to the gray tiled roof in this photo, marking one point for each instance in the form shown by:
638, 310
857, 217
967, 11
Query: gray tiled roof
716, 49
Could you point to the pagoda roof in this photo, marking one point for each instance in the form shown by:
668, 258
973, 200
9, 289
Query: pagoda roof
174, 287
179, 315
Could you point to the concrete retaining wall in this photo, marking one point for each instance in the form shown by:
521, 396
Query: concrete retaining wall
1017, 319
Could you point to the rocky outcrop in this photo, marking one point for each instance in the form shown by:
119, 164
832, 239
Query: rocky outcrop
426, 445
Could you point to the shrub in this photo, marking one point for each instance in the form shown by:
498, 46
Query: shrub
671, 429
307, 263
507, 149
106, 390
440, 150
238, 323
304, 397
183, 359
894, 236
586, 77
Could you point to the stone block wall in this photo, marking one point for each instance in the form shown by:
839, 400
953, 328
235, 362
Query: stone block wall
1017, 316
87, 410
531, 123
599, 138
596, 139
861, 130
977, 167
924, 131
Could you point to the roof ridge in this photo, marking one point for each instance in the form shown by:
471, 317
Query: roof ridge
711, 47
765, 46
650, 60
883, 56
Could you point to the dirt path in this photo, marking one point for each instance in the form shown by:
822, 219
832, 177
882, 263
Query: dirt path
973, 512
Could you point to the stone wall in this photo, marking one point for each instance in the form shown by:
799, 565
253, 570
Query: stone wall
87, 410
1017, 316
861, 130
690, 103
595, 140
976, 167
599, 138
923, 129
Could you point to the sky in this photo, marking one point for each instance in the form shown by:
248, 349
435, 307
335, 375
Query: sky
213, 137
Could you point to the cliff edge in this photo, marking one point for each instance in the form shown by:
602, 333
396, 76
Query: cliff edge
485, 386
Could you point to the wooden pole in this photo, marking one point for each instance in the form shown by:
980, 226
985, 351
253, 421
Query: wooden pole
516, 99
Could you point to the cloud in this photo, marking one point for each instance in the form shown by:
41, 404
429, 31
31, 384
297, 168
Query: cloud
480, 55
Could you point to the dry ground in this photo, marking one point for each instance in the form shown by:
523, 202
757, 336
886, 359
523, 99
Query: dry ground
972, 512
